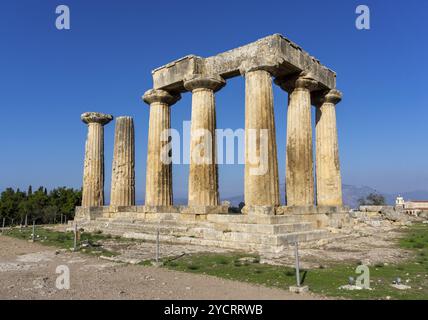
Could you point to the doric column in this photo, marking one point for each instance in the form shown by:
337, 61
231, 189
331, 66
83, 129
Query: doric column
299, 162
203, 175
123, 174
159, 170
329, 182
261, 163
93, 172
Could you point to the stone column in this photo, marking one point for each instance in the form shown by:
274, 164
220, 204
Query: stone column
123, 174
93, 172
329, 182
261, 163
158, 170
203, 175
299, 155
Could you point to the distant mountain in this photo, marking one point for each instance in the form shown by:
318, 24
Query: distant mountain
351, 195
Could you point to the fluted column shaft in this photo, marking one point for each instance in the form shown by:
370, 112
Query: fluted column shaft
329, 182
123, 173
203, 174
261, 164
159, 168
93, 173
299, 155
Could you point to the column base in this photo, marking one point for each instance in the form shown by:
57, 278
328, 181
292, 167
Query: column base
115, 209
197, 213
221, 209
259, 210
91, 213
160, 209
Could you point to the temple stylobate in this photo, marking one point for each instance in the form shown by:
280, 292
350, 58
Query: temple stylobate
313, 190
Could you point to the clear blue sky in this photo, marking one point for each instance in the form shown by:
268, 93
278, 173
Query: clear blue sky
49, 77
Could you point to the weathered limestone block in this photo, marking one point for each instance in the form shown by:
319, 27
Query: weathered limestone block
116, 209
216, 209
394, 215
161, 209
93, 172
259, 210
159, 166
261, 166
85, 214
372, 208
82, 214
299, 162
123, 173
203, 174
329, 182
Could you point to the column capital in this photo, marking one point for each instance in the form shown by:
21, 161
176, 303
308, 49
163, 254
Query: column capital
302, 81
333, 96
267, 61
247, 68
161, 96
212, 82
96, 117
243, 70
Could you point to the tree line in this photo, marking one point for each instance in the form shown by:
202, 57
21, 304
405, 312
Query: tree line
373, 199
19, 207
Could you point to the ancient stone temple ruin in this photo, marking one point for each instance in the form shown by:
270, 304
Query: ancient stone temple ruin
314, 205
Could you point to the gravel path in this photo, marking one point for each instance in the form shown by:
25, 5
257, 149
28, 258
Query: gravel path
28, 271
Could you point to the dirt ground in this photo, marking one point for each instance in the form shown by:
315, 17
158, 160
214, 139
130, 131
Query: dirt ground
28, 271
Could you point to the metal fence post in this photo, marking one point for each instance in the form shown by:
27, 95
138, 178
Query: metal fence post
34, 231
75, 237
296, 254
157, 245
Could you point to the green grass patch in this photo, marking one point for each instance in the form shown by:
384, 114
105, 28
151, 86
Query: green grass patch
324, 280
63, 240
233, 267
